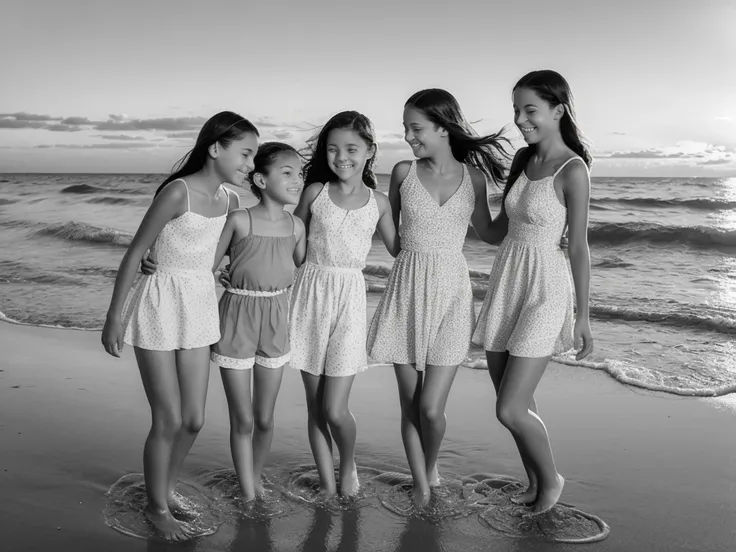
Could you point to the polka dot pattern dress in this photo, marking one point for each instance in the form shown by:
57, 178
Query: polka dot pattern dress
176, 307
328, 305
528, 309
426, 314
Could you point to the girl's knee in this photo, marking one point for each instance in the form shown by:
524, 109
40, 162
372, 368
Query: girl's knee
432, 413
193, 422
241, 423
336, 415
166, 422
509, 415
263, 423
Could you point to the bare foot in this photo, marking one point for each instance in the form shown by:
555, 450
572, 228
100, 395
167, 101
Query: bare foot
258, 489
181, 507
349, 483
433, 477
529, 496
324, 495
167, 525
420, 496
549, 497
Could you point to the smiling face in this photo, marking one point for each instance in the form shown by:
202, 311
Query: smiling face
234, 162
347, 153
534, 117
423, 136
283, 181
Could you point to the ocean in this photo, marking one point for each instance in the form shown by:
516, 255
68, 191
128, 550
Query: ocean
663, 285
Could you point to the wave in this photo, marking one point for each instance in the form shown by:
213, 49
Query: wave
106, 200
642, 377
612, 262
89, 189
60, 326
81, 189
616, 233
7, 201
81, 232
684, 316
697, 236
706, 204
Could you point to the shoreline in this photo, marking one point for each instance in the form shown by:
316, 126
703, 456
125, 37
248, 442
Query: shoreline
655, 467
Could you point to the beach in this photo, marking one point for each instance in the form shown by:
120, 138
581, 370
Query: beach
657, 468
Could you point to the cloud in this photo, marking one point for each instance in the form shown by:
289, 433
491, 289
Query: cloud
282, 134
60, 127
619, 134
76, 121
125, 137
644, 154
682, 150
165, 123
20, 123
721, 161
23, 116
113, 145
184, 135
117, 117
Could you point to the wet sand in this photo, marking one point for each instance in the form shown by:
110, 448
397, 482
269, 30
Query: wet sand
658, 469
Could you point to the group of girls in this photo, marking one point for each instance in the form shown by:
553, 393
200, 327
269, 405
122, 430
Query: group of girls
295, 293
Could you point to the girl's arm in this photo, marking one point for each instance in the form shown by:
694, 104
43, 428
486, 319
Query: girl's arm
300, 251
489, 230
167, 205
398, 175
386, 226
226, 238
575, 183
304, 209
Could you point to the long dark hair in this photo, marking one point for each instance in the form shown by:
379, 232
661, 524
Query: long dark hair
485, 153
551, 87
225, 127
317, 169
267, 153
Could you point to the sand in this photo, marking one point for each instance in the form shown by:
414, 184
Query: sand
660, 470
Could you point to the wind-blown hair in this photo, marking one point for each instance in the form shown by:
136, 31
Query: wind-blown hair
486, 153
225, 127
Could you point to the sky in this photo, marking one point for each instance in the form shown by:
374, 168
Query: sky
108, 86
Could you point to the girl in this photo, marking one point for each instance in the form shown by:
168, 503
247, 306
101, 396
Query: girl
425, 318
170, 317
265, 243
341, 211
527, 313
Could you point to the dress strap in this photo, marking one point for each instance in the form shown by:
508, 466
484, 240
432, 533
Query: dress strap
293, 224
565, 163
227, 196
250, 221
187, 189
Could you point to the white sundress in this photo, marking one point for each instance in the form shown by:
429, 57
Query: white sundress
426, 314
328, 303
176, 307
528, 309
